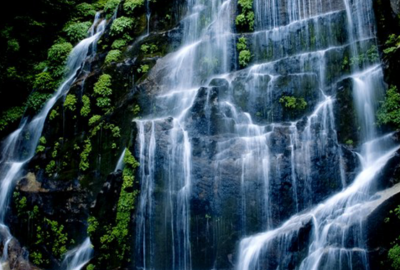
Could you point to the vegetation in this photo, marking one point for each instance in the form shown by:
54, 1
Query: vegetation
392, 45
84, 164
131, 5
291, 102
85, 111
103, 91
122, 25
244, 53
77, 31
245, 20
112, 56
389, 112
110, 7
70, 102
11, 116
394, 252
118, 44
143, 69
48, 236
57, 57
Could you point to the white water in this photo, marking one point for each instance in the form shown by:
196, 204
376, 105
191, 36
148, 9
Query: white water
20, 146
77, 258
338, 219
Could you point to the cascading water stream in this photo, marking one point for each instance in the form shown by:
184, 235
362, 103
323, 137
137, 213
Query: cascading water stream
18, 150
77, 258
336, 238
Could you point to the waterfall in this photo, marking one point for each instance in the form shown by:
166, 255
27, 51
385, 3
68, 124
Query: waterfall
218, 150
17, 150
337, 230
77, 258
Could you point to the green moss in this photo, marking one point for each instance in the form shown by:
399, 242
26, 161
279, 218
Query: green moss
70, 102
51, 168
112, 56
244, 53
93, 224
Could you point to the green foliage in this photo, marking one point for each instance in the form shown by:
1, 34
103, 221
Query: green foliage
136, 110
122, 25
394, 257
244, 58
103, 91
389, 112
70, 102
84, 164
394, 252
44, 82
143, 69
110, 7
57, 57
94, 120
37, 100
13, 45
10, 116
90, 267
53, 114
85, 10
131, 5
93, 224
42, 145
392, 45
149, 48
85, 111
77, 31
112, 56
37, 258
244, 53
51, 168
246, 18
291, 102
118, 44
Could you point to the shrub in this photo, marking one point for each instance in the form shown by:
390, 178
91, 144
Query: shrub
103, 91
53, 114
149, 48
57, 57
37, 100
389, 112
70, 102
85, 111
44, 82
85, 10
131, 5
112, 56
246, 17
244, 58
10, 116
118, 44
77, 31
110, 7
122, 25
